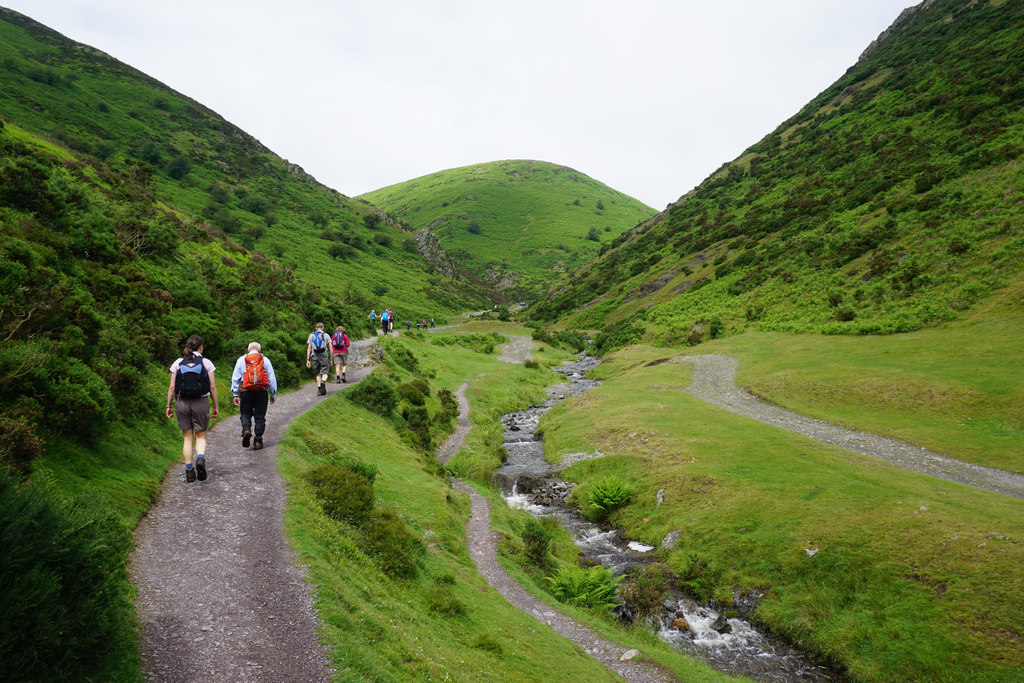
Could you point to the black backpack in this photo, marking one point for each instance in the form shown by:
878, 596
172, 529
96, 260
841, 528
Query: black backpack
192, 380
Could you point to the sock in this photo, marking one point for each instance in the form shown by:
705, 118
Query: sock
199, 455
188, 466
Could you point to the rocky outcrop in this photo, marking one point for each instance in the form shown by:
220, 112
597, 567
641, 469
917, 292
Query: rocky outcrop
903, 18
500, 279
430, 248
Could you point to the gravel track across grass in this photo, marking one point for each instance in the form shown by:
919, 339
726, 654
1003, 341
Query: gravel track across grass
714, 381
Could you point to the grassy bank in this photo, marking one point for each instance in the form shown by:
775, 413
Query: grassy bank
957, 390
913, 579
443, 621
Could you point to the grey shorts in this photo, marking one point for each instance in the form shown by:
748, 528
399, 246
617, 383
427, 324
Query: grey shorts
320, 362
341, 358
193, 413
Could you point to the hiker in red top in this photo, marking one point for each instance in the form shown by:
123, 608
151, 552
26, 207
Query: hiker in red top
252, 383
339, 348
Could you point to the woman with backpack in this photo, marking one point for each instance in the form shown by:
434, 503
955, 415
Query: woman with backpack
340, 343
192, 389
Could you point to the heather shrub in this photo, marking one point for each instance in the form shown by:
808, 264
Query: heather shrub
64, 565
411, 394
536, 543
643, 589
391, 545
375, 393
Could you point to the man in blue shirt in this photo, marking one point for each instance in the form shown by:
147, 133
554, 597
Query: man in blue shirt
253, 385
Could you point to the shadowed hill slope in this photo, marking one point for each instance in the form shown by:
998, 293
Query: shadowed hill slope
890, 202
518, 224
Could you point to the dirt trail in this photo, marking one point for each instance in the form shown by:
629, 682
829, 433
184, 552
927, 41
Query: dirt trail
714, 381
220, 597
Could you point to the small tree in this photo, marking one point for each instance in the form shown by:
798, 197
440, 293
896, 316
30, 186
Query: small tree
594, 235
178, 167
371, 220
474, 227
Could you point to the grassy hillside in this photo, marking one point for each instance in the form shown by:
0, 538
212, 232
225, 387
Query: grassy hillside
890, 202
206, 173
520, 224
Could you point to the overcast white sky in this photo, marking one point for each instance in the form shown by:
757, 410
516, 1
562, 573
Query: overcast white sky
647, 96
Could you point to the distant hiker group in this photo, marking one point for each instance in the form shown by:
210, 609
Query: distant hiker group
387, 321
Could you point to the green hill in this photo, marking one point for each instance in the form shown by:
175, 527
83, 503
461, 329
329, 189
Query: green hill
520, 225
892, 201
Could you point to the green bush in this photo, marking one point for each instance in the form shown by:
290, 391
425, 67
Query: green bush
422, 386
391, 545
605, 496
375, 393
536, 543
407, 392
643, 589
64, 566
593, 587
346, 495
449, 404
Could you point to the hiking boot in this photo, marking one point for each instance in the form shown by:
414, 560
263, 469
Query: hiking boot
200, 468
246, 435
323, 389
337, 379
343, 380
257, 444
190, 475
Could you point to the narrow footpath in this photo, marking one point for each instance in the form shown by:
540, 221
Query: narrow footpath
220, 596
714, 381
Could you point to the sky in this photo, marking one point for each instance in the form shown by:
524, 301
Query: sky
647, 96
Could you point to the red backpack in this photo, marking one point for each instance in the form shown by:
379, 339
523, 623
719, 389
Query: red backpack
255, 376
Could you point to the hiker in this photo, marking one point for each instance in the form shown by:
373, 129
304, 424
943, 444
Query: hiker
384, 321
391, 320
339, 344
417, 324
192, 389
431, 322
373, 316
253, 383
317, 358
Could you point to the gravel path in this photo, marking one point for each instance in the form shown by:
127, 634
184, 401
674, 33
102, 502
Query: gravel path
714, 381
483, 548
517, 350
220, 596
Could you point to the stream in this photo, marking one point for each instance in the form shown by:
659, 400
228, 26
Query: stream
732, 646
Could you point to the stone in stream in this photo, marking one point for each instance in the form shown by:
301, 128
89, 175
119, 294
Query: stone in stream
722, 624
